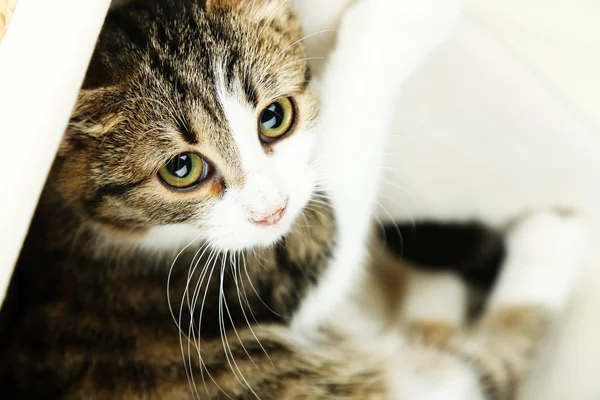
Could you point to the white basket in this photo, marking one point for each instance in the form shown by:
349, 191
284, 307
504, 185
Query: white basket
43, 59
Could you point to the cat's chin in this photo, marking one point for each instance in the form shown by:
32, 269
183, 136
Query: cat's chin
250, 236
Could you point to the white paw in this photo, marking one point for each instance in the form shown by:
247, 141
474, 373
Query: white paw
547, 234
546, 252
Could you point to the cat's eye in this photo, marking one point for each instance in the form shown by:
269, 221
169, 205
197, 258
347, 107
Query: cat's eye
184, 171
276, 119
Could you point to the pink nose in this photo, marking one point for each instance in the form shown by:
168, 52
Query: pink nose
270, 219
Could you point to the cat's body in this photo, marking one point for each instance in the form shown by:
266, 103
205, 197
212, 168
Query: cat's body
104, 305
95, 326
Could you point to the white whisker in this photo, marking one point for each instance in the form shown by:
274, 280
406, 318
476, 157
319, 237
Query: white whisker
170, 274
256, 292
203, 365
191, 333
224, 332
250, 308
396, 225
302, 39
222, 329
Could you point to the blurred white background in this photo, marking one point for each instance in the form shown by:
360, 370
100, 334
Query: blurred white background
560, 39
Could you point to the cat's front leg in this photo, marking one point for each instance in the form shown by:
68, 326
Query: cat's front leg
380, 43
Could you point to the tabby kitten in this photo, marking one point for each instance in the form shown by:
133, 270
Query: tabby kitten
197, 128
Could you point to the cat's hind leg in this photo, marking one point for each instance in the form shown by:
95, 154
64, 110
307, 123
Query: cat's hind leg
492, 359
435, 301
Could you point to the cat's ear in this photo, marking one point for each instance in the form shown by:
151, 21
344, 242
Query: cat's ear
74, 137
90, 121
273, 10
221, 5
243, 5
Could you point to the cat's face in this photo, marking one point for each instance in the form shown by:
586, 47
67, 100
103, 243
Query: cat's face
195, 120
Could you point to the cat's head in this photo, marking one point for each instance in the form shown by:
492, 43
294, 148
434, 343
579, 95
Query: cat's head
196, 118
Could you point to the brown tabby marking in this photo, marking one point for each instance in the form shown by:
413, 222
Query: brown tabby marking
431, 333
500, 347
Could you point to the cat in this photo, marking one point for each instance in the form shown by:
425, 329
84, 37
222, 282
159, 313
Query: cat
198, 127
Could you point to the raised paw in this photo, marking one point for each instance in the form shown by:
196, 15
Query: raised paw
380, 44
548, 234
546, 252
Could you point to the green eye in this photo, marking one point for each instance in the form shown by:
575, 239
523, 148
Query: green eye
184, 170
276, 119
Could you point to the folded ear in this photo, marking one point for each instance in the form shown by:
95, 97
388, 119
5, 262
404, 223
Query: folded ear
92, 119
223, 5
279, 12
262, 8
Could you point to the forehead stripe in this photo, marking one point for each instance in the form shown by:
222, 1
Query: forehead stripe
250, 92
162, 65
307, 78
188, 135
232, 61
